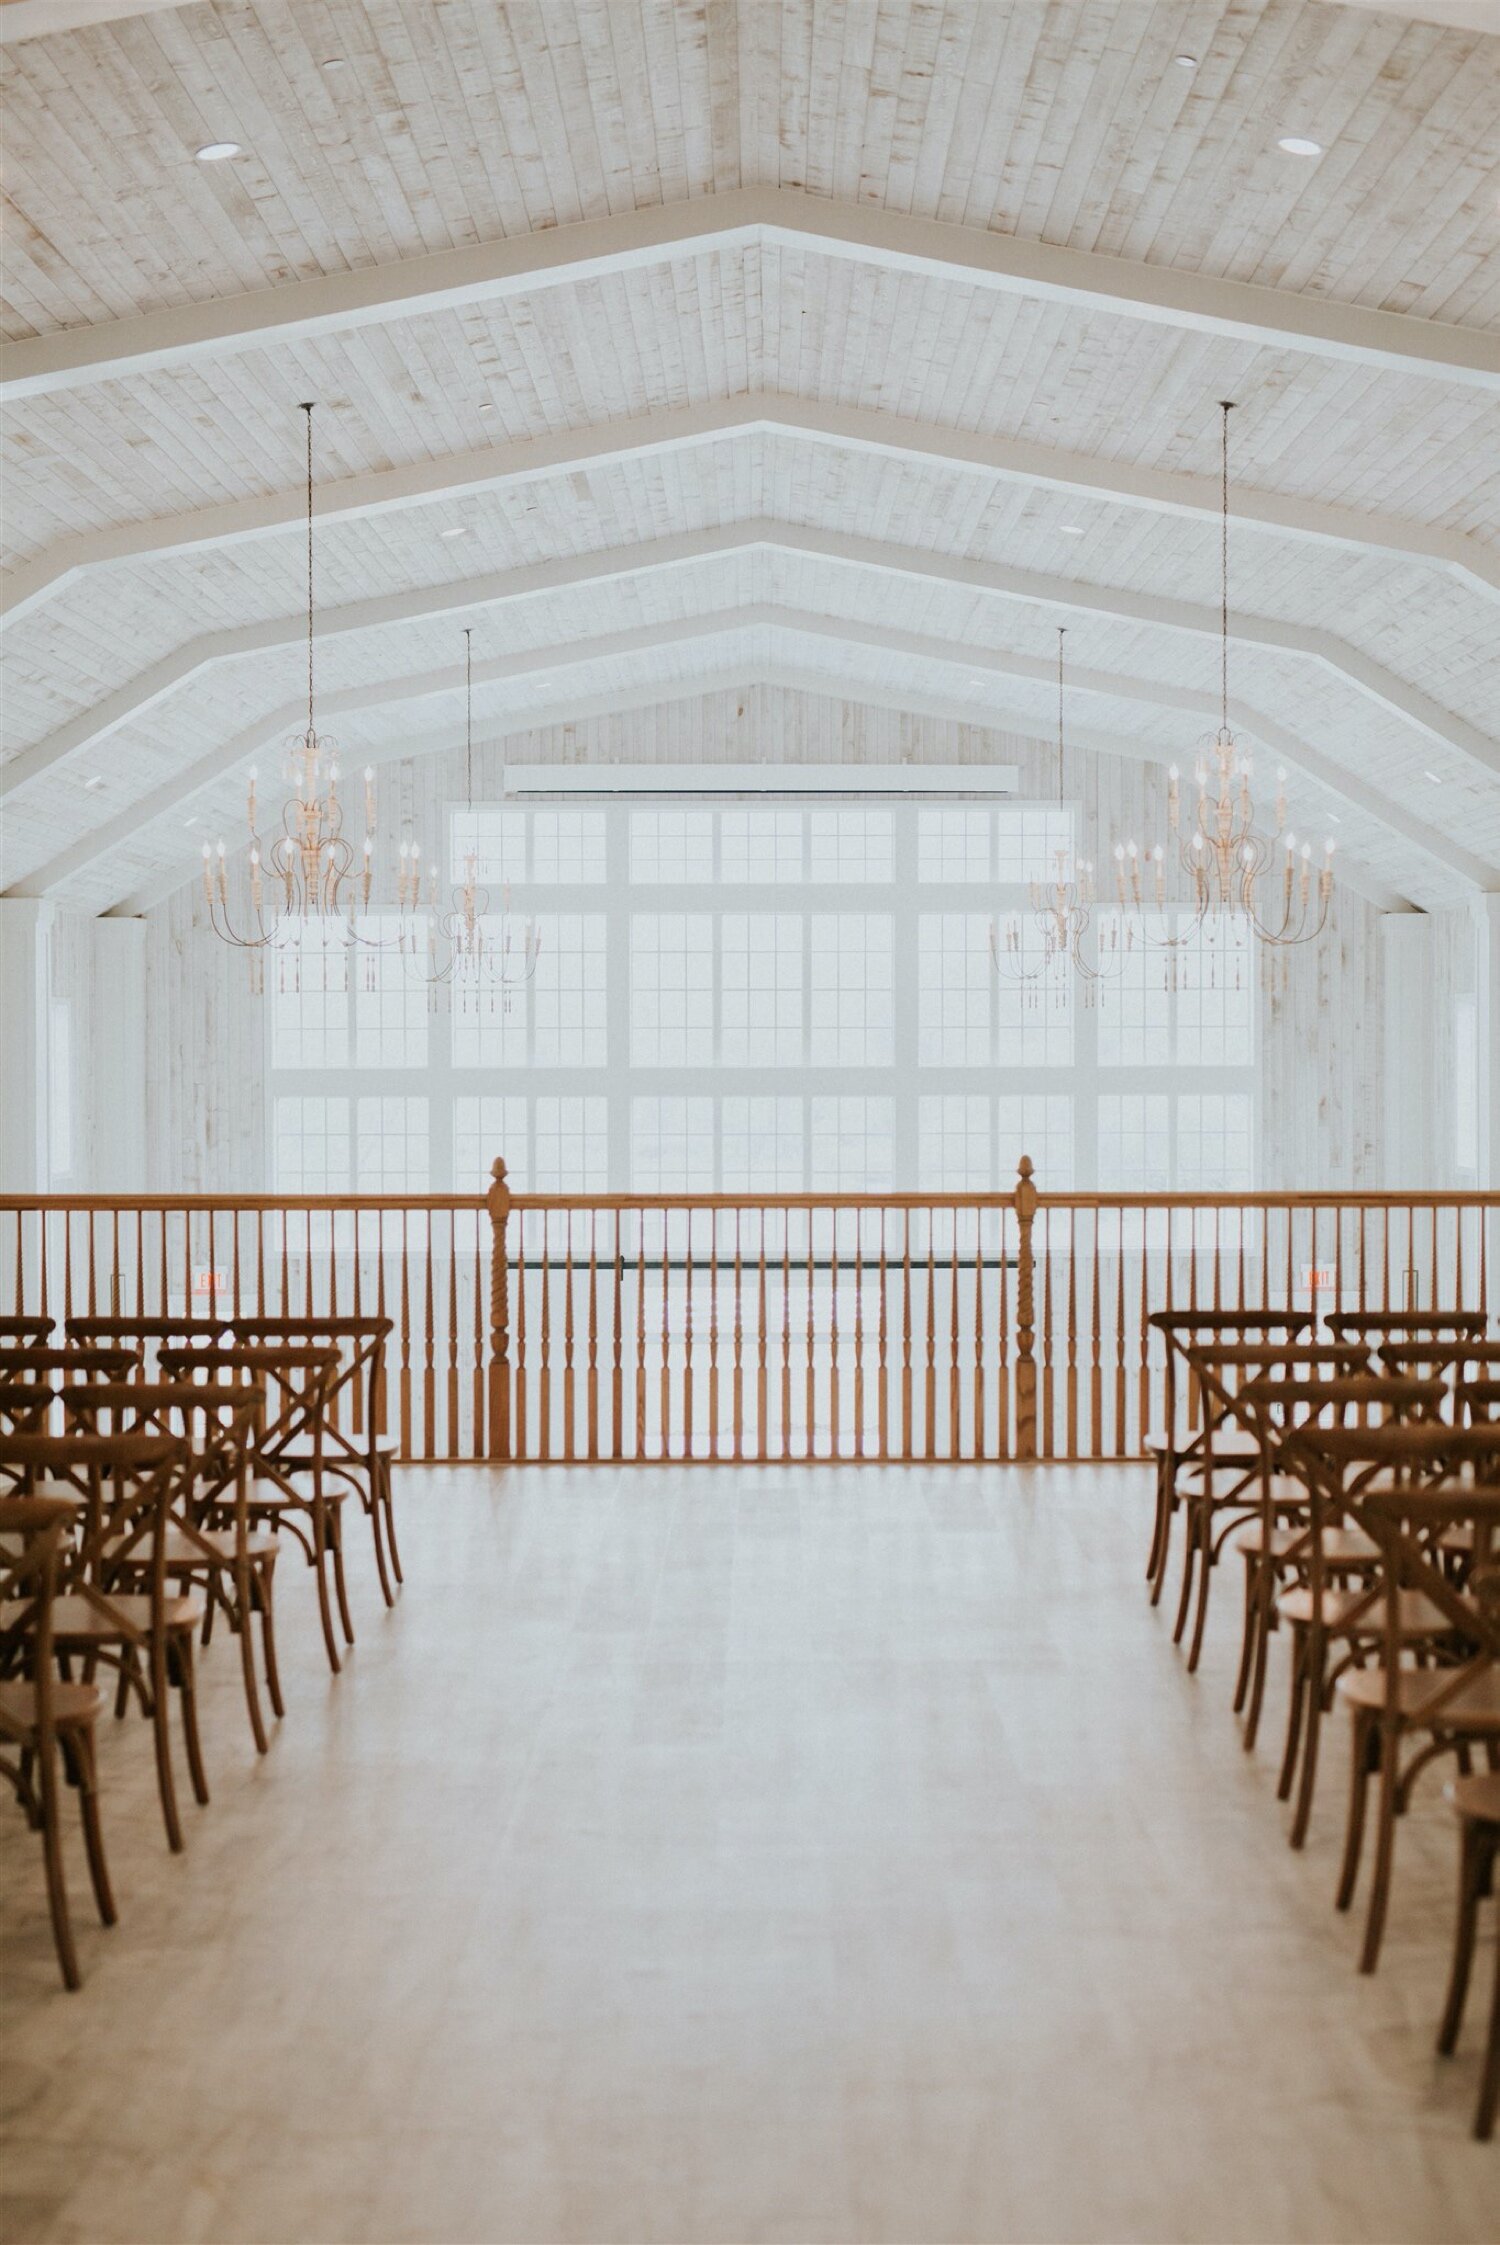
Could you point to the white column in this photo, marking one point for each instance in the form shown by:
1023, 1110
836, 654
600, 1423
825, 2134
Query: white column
1488, 986
25, 924
1406, 939
115, 1152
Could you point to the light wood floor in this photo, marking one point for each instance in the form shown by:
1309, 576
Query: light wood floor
723, 1856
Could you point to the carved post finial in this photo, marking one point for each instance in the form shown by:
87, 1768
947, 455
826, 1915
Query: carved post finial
1025, 1206
498, 1200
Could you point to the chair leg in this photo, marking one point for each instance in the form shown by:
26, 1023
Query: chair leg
1158, 1520
57, 1884
387, 1501
263, 1579
336, 1546
325, 1605
1189, 1562
1470, 1880
1247, 1633
1489, 2080
1315, 1659
161, 1717
1263, 1620
1385, 1848
82, 1748
1293, 1744
1206, 1564
1363, 1763
245, 1603
187, 1687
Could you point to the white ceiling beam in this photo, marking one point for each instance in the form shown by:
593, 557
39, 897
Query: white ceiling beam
172, 795
851, 428
565, 256
43, 19
481, 594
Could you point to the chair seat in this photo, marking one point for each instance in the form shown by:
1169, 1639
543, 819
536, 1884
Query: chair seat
1476, 1706
1417, 1616
1477, 1799
184, 1553
74, 1706
1342, 1547
267, 1500
300, 1459
1231, 1444
76, 1622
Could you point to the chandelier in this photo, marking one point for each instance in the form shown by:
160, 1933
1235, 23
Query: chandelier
309, 883
478, 960
1251, 884
1038, 950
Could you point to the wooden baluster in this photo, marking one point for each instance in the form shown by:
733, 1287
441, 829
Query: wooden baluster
833, 1331
593, 1341
762, 1335
906, 1388
44, 1303
810, 1442
518, 1389
666, 1335
382, 1419
569, 1397
429, 1346
882, 1350
404, 1382
452, 1446
478, 1427
640, 1338
1119, 1445
544, 1383
234, 1263
1096, 1357
786, 1334
737, 1391
955, 1423
357, 1399
1143, 1404
1025, 1205
1070, 1433
687, 1344
307, 1265
929, 1370
713, 1334
980, 1447
1002, 1336
1049, 1382
67, 1266
859, 1333
617, 1322
187, 1262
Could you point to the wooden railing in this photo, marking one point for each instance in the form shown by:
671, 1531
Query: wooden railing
776, 1328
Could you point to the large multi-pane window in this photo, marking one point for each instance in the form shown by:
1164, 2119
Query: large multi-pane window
752, 997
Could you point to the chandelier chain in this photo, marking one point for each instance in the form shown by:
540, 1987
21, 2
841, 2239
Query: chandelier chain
307, 409
1226, 407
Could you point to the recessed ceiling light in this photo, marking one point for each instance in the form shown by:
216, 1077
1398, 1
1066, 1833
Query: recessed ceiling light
1071, 529
1433, 777
217, 151
459, 530
1186, 62
487, 407
335, 62
194, 821
95, 779
1295, 145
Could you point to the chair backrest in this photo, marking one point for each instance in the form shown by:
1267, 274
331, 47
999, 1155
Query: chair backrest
106, 1330
1442, 1355
361, 1369
68, 1364
1478, 1401
27, 1325
1410, 1525
126, 1483
31, 1533
24, 1404
1413, 1323
297, 1378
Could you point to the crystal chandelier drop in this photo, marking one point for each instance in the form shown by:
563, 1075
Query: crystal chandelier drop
479, 960
1255, 885
1038, 950
309, 884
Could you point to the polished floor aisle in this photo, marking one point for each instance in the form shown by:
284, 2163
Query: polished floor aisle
722, 1856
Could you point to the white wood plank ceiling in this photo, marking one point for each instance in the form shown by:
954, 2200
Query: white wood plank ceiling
840, 349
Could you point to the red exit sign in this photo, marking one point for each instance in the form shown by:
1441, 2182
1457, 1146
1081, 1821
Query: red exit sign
210, 1282
1317, 1278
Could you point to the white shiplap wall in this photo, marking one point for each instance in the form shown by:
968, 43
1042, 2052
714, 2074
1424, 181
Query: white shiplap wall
1321, 1035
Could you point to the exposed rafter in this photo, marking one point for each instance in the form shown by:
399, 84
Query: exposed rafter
566, 255
500, 588
852, 428
652, 638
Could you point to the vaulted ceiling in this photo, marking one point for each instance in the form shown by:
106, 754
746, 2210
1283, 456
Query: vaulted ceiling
846, 344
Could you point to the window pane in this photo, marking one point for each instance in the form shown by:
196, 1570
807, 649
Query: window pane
672, 1145
567, 846
672, 845
498, 838
391, 1152
568, 998
955, 990
1038, 1123
311, 1145
1213, 1143
852, 1012
956, 1143
851, 1146
760, 845
1134, 1150
953, 843
1029, 837
761, 968
308, 989
570, 1145
851, 843
671, 989
761, 1145
391, 997
484, 1126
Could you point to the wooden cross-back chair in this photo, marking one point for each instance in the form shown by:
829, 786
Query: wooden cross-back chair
25, 1405
211, 1549
148, 1336
360, 1453
1326, 1606
290, 1489
127, 1484
1460, 1356
1179, 1451
63, 1367
1390, 1326
1447, 1706
27, 1326
1476, 1803
44, 1720
1221, 1499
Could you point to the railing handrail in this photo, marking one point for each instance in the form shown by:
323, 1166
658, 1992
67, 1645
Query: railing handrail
559, 1203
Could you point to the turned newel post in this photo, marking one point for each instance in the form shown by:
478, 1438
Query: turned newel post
1025, 1203
497, 1200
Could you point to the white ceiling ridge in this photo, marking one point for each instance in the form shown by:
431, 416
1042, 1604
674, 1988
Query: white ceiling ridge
539, 581
174, 794
756, 413
565, 256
